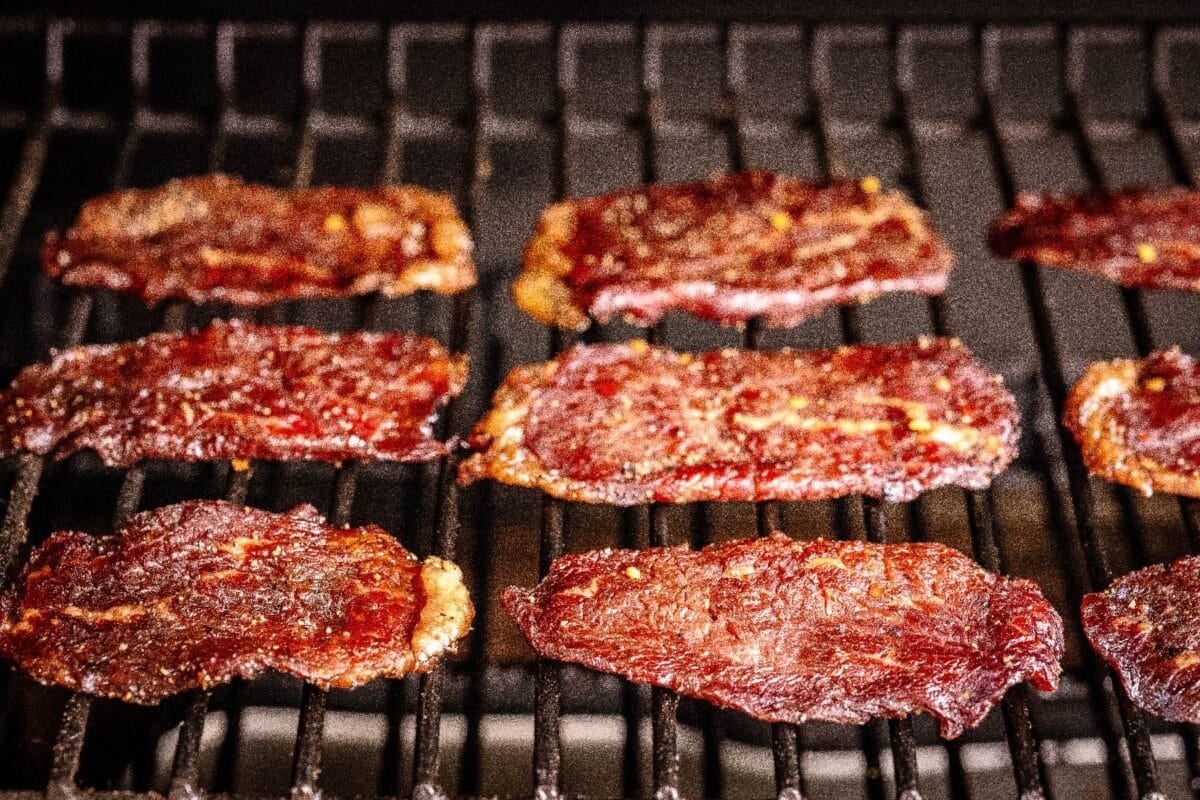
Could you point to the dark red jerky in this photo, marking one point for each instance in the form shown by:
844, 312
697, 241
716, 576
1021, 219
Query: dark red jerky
236, 390
747, 245
1138, 422
216, 238
195, 594
1148, 238
630, 424
793, 631
1144, 626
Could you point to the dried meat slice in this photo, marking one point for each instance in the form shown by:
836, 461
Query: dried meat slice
196, 594
1138, 422
747, 245
1144, 626
1137, 237
237, 390
792, 631
630, 423
215, 238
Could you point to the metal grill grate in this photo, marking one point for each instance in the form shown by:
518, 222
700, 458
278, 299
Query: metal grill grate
509, 116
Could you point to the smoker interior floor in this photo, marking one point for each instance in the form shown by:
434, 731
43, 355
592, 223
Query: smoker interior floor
593, 747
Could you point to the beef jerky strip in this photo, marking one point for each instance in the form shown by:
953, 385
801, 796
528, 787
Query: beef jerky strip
1138, 422
792, 631
1148, 238
195, 594
216, 238
237, 390
1144, 625
747, 245
630, 424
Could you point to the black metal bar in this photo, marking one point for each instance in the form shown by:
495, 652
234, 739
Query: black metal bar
1050, 363
68, 746
25, 183
547, 742
1022, 742
427, 753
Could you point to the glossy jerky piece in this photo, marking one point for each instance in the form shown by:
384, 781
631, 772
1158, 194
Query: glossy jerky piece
1148, 238
237, 390
196, 594
215, 238
628, 424
1138, 422
1144, 626
792, 631
747, 245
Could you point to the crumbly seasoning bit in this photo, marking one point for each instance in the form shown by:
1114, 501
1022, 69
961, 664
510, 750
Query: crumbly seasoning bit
1155, 384
335, 223
239, 464
781, 220
942, 384
633, 573
1147, 253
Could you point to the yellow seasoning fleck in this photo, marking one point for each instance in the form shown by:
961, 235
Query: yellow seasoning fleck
780, 221
942, 384
1155, 384
920, 425
870, 184
335, 223
1146, 253
685, 358
240, 464
797, 402
639, 346
633, 573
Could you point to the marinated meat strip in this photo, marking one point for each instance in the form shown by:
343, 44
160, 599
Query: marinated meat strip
1144, 626
196, 594
792, 631
1136, 237
1138, 422
237, 390
628, 424
747, 245
216, 238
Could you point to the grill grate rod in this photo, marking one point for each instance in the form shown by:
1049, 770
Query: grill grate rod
904, 753
68, 746
547, 708
785, 739
1137, 736
1022, 740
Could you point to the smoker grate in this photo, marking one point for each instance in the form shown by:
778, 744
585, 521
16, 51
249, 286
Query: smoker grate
510, 115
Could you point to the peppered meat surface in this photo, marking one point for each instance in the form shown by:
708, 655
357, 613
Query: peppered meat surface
236, 390
792, 631
1138, 422
1148, 238
215, 238
629, 423
195, 594
1144, 626
750, 244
